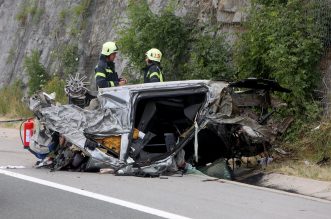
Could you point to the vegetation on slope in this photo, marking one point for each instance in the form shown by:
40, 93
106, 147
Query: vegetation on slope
187, 53
283, 40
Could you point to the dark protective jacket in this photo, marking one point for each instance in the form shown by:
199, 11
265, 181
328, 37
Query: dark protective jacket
105, 75
153, 73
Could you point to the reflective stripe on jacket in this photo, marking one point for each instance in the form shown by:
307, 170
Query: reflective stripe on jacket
105, 75
153, 73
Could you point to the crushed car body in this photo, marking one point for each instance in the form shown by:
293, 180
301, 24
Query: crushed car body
157, 128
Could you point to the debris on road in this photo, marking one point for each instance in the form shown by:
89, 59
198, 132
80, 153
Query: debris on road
107, 170
12, 167
157, 128
281, 151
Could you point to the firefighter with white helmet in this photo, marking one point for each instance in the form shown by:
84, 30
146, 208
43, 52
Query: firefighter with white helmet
153, 70
105, 74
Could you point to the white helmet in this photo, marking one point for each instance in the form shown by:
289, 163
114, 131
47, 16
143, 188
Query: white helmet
154, 54
109, 48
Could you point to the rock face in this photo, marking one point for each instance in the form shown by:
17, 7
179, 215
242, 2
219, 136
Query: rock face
54, 25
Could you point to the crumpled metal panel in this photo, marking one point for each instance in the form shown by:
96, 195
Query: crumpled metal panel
218, 99
157, 167
114, 117
40, 140
258, 132
73, 122
101, 160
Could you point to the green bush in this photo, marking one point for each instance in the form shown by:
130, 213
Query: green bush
147, 30
68, 56
209, 59
283, 42
36, 72
56, 85
270, 2
187, 53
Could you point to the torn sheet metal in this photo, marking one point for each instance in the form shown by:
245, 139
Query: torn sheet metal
158, 124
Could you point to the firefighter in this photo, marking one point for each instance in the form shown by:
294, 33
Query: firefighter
153, 70
105, 74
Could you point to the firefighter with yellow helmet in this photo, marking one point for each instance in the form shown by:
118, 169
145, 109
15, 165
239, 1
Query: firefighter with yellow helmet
153, 69
105, 74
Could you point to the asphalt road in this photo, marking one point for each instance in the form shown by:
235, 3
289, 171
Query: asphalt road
20, 199
57, 194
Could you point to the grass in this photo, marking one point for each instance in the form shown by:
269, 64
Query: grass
11, 56
11, 105
301, 169
309, 156
29, 8
23, 13
36, 14
63, 16
313, 144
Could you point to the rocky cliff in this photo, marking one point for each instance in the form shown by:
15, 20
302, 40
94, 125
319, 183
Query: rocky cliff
72, 31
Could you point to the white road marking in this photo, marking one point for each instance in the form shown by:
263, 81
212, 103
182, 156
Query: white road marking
97, 196
12, 167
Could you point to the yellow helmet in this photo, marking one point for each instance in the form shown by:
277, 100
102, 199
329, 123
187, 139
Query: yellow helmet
154, 54
109, 48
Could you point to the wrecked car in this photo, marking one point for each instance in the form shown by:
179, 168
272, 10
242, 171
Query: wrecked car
156, 128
